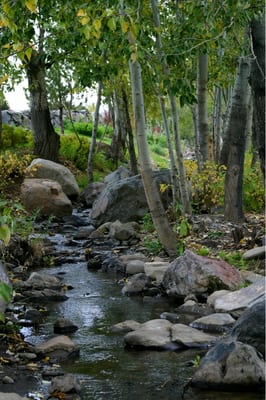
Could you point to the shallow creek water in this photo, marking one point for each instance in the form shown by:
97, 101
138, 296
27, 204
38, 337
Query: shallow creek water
105, 368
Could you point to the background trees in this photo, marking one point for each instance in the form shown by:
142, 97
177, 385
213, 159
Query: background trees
188, 52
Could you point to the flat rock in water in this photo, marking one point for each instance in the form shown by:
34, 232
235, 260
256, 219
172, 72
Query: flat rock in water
187, 337
59, 347
156, 270
218, 322
125, 326
155, 333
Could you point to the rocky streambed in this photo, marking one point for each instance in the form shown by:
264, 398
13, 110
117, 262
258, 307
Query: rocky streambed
105, 321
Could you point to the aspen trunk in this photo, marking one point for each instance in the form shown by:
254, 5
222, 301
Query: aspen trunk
161, 223
233, 207
94, 132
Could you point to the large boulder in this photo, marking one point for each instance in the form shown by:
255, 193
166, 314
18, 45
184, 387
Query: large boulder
191, 273
237, 301
46, 169
250, 327
230, 365
46, 197
125, 199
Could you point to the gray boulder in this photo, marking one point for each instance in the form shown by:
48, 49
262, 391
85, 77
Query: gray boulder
250, 327
46, 169
91, 192
218, 322
237, 301
136, 285
60, 347
191, 273
230, 365
125, 200
162, 334
45, 196
68, 384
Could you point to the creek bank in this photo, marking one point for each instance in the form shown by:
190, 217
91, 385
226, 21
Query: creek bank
112, 255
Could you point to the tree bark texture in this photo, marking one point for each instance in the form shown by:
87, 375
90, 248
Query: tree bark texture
233, 207
94, 133
161, 223
182, 183
46, 140
131, 147
258, 87
202, 119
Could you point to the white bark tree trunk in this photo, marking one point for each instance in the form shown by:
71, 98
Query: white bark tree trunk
161, 223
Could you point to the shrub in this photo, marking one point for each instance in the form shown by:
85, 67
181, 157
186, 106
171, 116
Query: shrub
16, 137
207, 186
253, 189
12, 168
70, 149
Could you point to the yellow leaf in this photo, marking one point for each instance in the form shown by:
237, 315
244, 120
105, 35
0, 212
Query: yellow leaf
31, 5
3, 79
84, 20
18, 46
97, 24
124, 26
28, 53
81, 13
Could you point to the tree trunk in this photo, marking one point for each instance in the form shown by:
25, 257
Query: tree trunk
194, 113
161, 223
170, 150
233, 208
180, 161
1, 126
202, 117
131, 147
118, 144
228, 96
94, 133
217, 123
258, 87
46, 140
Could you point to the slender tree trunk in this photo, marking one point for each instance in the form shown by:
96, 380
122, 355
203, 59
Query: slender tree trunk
94, 133
131, 147
118, 144
196, 132
165, 233
217, 123
180, 161
233, 208
46, 140
170, 150
1, 126
258, 87
202, 117
228, 96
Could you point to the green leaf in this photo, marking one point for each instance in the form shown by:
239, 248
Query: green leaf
5, 233
5, 292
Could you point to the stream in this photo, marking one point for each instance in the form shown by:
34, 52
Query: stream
106, 369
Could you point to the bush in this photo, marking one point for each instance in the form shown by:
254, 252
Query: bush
12, 168
207, 186
70, 149
85, 128
253, 189
16, 137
